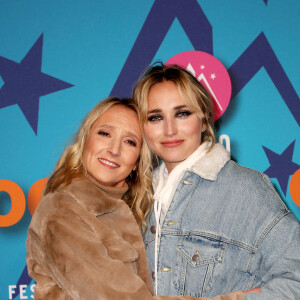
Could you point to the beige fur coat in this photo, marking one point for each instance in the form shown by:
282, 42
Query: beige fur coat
83, 243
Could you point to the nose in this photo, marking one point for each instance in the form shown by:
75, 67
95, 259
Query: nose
170, 127
114, 148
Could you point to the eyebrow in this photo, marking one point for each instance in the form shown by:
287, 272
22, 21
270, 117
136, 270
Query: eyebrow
156, 110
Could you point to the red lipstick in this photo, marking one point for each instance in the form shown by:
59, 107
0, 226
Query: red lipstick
108, 164
173, 143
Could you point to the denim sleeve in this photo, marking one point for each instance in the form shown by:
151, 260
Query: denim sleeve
277, 262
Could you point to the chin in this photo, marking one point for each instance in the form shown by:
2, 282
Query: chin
176, 160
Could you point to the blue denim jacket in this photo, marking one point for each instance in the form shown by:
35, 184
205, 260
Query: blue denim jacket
226, 233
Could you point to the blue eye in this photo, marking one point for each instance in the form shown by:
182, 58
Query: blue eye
155, 118
183, 113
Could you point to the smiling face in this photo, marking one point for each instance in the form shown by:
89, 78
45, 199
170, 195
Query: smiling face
113, 146
173, 130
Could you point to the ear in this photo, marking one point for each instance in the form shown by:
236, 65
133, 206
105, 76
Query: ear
204, 124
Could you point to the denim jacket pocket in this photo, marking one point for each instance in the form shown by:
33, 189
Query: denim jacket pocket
198, 260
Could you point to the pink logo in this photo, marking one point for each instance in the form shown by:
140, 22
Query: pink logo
211, 73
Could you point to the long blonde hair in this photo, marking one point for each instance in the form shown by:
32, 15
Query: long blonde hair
193, 95
70, 165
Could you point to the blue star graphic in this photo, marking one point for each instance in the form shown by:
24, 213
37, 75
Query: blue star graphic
281, 165
24, 83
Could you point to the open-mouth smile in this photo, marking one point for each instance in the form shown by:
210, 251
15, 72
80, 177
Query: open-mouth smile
108, 163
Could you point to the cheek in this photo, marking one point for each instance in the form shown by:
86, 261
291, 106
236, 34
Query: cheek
150, 132
87, 152
193, 130
88, 148
85, 159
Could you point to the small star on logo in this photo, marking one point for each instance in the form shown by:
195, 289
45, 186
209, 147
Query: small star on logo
213, 76
202, 67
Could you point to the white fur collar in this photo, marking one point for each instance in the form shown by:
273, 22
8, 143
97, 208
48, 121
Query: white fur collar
209, 166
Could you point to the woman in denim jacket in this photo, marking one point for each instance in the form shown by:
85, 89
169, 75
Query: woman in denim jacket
216, 226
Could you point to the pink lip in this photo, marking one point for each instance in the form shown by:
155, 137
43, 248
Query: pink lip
173, 143
105, 162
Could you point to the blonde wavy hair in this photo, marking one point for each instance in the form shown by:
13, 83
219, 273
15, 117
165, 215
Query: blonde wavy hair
70, 164
192, 93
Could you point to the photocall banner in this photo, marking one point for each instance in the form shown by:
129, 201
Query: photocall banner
59, 58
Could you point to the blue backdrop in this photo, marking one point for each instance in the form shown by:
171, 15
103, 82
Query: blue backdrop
59, 58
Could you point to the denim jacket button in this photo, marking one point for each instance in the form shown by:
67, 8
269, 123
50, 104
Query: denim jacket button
195, 257
187, 182
153, 229
171, 223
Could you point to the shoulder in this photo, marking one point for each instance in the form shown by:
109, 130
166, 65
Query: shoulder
53, 206
63, 203
253, 203
81, 199
254, 194
256, 184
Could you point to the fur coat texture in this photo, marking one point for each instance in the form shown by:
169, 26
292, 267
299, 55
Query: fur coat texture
84, 243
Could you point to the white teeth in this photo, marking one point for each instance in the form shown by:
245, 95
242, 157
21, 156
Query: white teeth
108, 163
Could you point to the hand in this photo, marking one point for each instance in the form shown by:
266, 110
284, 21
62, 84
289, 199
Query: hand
255, 290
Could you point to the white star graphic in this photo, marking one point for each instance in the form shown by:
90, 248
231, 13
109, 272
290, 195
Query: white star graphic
202, 67
213, 76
